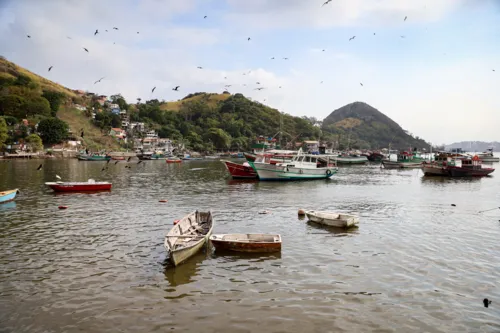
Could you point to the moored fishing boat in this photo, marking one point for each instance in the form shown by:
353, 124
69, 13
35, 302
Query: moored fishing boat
240, 171
9, 195
351, 159
488, 157
93, 157
91, 185
247, 242
188, 236
338, 220
405, 160
302, 167
171, 160
437, 167
470, 167
376, 156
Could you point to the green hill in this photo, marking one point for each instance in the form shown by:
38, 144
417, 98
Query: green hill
360, 125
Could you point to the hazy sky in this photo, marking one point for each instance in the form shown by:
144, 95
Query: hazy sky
437, 82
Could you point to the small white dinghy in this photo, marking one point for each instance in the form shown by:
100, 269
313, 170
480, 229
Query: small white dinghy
333, 219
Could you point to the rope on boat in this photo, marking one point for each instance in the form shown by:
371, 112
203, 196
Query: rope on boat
488, 210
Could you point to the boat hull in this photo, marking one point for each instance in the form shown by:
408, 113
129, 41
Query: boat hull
292, 173
174, 161
455, 171
328, 219
352, 160
250, 157
178, 256
244, 245
239, 171
490, 159
401, 165
434, 170
94, 158
69, 187
8, 196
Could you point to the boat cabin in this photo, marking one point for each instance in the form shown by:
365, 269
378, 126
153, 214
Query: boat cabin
312, 161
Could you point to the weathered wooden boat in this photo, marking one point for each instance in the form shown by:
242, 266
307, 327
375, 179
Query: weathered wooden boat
171, 160
90, 186
468, 168
405, 160
94, 157
240, 171
188, 236
351, 159
376, 156
9, 195
247, 242
333, 219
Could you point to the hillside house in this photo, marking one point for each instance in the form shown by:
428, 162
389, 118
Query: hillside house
80, 107
119, 134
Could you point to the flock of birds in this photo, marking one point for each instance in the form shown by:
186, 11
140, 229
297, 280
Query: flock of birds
257, 88
106, 166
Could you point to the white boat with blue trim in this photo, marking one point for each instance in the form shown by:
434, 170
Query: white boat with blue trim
302, 167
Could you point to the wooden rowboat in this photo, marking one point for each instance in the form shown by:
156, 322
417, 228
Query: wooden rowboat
247, 242
174, 160
333, 219
188, 236
240, 171
9, 195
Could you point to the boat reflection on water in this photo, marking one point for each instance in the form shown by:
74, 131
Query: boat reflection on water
73, 193
231, 256
314, 228
185, 273
242, 181
8, 205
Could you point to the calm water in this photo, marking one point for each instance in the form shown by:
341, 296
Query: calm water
415, 264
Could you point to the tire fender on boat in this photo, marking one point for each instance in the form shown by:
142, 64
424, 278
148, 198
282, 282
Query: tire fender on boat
328, 172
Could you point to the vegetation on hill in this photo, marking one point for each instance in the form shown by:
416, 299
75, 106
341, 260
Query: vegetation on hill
359, 125
205, 121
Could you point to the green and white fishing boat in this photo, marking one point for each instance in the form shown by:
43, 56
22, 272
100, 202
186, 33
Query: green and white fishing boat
302, 167
405, 160
351, 159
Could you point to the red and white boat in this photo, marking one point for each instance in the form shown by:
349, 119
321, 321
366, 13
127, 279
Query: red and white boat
173, 160
240, 171
90, 185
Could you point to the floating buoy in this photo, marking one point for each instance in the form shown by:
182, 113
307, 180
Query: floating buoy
302, 212
176, 221
62, 207
163, 200
264, 212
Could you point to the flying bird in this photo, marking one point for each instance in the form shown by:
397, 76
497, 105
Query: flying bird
82, 134
259, 88
99, 80
140, 161
153, 90
68, 37
96, 32
272, 58
402, 36
405, 18
248, 38
115, 28
103, 168
137, 31
86, 50
116, 162
205, 16
493, 70
326, 2
279, 87
225, 77
352, 38
199, 67
107, 162
323, 50
361, 84
321, 82
373, 34
128, 159
285, 58
58, 177
39, 167
28, 36
50, 68
176, 88
257, 82
227, 85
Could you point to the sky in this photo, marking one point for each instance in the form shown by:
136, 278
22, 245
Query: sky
437, 73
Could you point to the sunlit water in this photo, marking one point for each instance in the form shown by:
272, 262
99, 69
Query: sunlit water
415, 264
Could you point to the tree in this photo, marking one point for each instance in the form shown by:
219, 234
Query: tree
55, 98
3, 132
37, 106
219, 138
52, 130
12, 105
118, 99
35, 142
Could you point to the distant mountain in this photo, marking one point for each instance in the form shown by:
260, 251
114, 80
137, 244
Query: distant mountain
474, 146
360, 125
